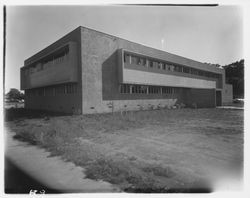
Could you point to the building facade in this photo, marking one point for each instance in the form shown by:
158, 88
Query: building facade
88, 71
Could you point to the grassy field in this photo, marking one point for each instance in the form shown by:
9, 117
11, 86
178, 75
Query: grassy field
181, 150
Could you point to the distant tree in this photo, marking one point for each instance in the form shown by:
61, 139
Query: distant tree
235, 76
14, 95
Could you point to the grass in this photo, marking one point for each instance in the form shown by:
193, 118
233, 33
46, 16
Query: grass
145, 151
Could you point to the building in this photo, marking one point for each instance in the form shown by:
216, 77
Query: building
88, 71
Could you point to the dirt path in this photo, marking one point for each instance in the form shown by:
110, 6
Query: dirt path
51, 171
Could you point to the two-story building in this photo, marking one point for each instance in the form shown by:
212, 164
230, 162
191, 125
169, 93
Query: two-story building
88, 71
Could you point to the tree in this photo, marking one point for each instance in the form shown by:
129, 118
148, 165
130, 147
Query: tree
14, 95
235, 76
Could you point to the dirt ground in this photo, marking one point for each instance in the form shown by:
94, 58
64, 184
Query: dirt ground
181, 150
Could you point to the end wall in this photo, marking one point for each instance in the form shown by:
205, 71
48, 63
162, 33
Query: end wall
227, 94
67, 103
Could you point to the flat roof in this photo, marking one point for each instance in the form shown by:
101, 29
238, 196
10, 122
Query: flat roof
204, 65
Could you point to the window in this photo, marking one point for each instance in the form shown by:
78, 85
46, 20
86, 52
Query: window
144, 61
126, 58
55, 58
164, 90
200, 73
70, 88
41, 91
134, 60
144, 89
124, 88
167, 90
139, 62
155, 64
164, 66
207, 74
39, 67
133, 88
160, 65
59, 90
194, 71
171, 68
167, 67
186, 69
31, 92
151, 64
48, 91
178, 68
154, 90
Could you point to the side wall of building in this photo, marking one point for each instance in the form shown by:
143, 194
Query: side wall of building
100, 81
58, 97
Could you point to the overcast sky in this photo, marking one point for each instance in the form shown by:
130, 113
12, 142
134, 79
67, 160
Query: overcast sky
205, 34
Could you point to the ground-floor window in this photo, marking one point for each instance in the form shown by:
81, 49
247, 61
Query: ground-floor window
62, 89
146, 89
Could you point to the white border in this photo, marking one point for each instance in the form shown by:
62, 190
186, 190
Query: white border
244, 3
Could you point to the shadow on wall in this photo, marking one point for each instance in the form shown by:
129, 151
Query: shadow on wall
110, 81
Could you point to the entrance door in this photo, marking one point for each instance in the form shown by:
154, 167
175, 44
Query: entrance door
218, 98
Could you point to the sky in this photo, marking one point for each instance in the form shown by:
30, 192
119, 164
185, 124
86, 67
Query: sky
205, 34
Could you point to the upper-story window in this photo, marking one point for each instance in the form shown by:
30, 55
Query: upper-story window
164, 66
177, 68
142, 61
194, 71
126, 58
139, 61
186, 70
39, 67
207, 74
171, 67
159, 64
57, 57
134, 60
167, 90
151, 64
200, 73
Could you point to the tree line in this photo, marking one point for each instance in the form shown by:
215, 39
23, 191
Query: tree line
235, 76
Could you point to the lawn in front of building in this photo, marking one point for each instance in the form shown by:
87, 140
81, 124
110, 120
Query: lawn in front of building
178, 150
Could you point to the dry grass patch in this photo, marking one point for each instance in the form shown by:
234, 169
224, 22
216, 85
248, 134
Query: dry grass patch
144, 151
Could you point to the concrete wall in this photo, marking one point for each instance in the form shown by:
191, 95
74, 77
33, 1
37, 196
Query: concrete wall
176, 76
100, 83
201, 97
140, 77
57, 73
100, 73
227, 94
62, 102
